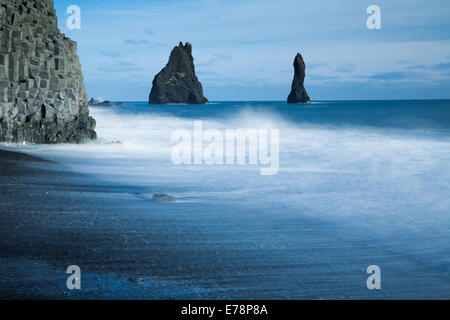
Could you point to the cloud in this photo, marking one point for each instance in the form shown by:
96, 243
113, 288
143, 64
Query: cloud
223, 57
346, 67
444, 66
441, 66
217, 57
215, 17
132, 42
320, 77
118, 66
136, 42
205, 64
207, 73
313, 66
396, 76
112, 54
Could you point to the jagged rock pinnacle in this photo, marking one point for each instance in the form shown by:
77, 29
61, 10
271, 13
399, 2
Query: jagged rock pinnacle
177, 82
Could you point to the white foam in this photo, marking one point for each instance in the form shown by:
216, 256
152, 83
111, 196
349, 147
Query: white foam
339, 173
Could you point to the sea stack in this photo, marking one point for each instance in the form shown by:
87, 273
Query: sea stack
177, 82
42, 96
298, 93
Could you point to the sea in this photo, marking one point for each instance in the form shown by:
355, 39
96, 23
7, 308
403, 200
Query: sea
358, 184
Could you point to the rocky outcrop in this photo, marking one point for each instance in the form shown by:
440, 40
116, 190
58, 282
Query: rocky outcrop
298, 93
97, 103
42, 96
177, 82
160, 197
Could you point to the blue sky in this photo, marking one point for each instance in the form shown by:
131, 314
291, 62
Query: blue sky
244, 49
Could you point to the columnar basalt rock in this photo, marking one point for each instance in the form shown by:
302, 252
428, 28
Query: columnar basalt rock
177, 82
42, 95
298, 93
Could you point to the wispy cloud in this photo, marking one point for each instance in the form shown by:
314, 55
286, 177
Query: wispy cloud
112, 54
136, 42
216, 58
439, 66
118, 66
346, 67
320, 77
207, 73
143, 42
397, 76
223, 57
313, 66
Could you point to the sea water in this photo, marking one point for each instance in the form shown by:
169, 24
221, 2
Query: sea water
359, 183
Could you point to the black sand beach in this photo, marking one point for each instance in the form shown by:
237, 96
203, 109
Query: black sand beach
51, 219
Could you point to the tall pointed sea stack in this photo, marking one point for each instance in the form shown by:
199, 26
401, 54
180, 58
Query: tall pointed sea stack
42, 96
298, 93
177, 82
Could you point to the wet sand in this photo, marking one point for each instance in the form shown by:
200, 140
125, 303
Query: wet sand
131, 248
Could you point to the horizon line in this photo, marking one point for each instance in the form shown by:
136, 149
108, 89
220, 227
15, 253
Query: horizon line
312, 101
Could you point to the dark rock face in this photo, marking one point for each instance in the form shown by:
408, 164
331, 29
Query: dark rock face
177, 82
42, 96
160, 197
298, 93
106, 103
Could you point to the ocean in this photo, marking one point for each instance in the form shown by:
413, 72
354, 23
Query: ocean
359, 183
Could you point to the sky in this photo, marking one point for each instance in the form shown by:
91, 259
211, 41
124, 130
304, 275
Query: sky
244, 49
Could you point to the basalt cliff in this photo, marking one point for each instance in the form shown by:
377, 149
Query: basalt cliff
177, 82
42, 95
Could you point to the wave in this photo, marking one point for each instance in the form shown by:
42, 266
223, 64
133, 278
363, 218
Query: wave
367, 176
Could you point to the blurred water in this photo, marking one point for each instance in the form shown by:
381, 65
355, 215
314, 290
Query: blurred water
371, 171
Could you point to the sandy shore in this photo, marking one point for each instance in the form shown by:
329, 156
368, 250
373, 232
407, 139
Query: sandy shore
131, 248
51, 218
